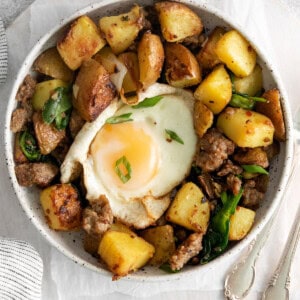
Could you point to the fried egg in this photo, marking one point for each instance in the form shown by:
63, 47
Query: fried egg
135, 156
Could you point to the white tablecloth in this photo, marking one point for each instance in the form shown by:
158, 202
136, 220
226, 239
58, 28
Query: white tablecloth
275, 27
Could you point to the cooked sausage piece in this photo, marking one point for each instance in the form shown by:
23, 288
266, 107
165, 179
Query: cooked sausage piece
252, 156
251, 196
229, 168
214, 149
40, 174
98, 217
188, 249
76, 123
19, 119
234, 183
26, 90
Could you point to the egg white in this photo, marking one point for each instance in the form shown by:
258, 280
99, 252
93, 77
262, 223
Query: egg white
142, 206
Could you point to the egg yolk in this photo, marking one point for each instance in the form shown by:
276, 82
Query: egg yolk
125, 155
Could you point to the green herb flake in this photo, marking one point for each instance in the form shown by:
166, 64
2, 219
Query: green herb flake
123, 169
173, 136
148, 102
119, 119
29, 146
58, 108
167, 268
255, 169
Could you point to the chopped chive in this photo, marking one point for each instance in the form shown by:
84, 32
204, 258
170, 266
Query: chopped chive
167, 268
119, 119
122, 161
255, 169
173, 136
148, 102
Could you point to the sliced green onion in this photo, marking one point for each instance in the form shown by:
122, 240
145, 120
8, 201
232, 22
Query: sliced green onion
122, 163
148, 102
119, 119
238, 100
255, 169
58, 108
167, 268
29, 146
173, 136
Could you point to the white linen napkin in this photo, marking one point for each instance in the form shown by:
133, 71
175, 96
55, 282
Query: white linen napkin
3, 53
21, 270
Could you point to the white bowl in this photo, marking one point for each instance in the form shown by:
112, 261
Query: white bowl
70, 243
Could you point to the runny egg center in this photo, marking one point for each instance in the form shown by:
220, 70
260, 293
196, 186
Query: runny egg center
125, 155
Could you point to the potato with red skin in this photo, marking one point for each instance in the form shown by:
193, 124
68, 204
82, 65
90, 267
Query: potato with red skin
61, 207
93, 90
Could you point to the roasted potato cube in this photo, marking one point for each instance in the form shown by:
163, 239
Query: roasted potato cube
118, 226
121, 31
151, 58
188, 209
207, 56
182, 68
177, 21
246, 128
51, 64
44, 90
215, 90
237, 53
203, 118
124, 252
104, 57
61, 207
81, 42
251, 84
93, 90
131, 79
240, 223
272, 109
47, 135
162, 238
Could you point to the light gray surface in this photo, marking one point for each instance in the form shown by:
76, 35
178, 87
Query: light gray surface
10, 9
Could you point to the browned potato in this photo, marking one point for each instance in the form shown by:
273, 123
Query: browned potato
47, 135
188, 208
131, 79
182, 68
237, 53
50, 63
61, 207
215, 90
162, 238
93, 90
207, 56
121, 31
124, 252
246, 128
272, 109
177, 21
240, 223
251, 84
203, 118
81, 42
151, 58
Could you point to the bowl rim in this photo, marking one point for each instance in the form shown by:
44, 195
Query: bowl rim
188, 271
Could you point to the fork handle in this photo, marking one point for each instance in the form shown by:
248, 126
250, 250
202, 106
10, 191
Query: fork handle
278, 287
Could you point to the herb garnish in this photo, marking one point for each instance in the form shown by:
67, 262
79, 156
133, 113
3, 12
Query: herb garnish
244, 100
121, 164
255, 169
119, 119
173, 136
148, 102
58, 108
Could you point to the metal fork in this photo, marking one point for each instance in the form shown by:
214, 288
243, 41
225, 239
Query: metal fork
241, 278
